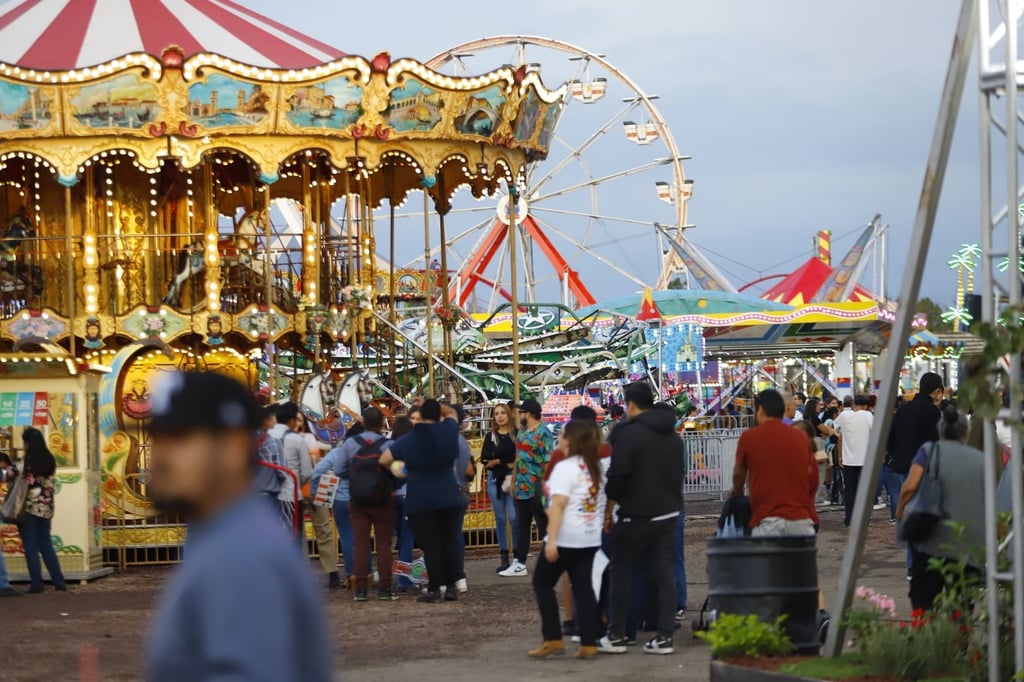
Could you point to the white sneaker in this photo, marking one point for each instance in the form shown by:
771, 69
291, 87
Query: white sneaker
461, 585
516, 570
607, 646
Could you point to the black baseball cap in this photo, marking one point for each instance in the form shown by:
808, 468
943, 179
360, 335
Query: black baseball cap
183, 402
530, 406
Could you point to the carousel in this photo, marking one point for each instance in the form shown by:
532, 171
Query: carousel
144, 158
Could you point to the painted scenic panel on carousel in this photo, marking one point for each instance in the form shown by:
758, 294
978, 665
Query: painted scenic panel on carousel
529, 117
547, 128
336, 104
481, 112
224, 101
24, 107
414, 107
124, 102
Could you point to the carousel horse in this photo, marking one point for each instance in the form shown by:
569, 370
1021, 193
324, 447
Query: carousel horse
236, 251
15, 273
330, 406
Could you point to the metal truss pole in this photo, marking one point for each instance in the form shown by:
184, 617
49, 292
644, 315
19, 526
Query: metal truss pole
999, 77
949, 108
1010, 15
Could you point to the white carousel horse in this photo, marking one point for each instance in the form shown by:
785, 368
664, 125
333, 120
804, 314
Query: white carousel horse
238, 250
330, 406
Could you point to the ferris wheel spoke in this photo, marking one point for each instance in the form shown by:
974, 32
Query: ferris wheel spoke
591, 216
589, 251
452, 241
576, 152
598, 181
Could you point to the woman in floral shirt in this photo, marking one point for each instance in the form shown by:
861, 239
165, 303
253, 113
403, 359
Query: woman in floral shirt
34, 528
534, 444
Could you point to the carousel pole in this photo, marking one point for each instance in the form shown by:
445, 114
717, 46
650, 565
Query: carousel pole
513, 204
392, 317
445, 299
69, 264
310, 273
429, 279
273, 377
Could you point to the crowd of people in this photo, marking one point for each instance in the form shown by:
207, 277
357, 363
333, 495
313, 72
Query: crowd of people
241, 474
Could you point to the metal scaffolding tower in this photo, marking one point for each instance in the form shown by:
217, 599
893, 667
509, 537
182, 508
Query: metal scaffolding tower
993, 25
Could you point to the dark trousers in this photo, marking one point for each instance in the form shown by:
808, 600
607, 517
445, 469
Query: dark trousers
35, 539
927, 583
463, 508
651, 544
852, 477
382, 519
439, 536
578, 563
527, 510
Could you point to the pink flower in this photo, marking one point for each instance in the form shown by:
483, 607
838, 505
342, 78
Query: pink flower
864, 592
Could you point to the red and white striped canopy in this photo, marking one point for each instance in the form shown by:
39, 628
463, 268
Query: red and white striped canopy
70, 34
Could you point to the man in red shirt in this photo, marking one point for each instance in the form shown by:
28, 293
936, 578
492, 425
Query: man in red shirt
779, 462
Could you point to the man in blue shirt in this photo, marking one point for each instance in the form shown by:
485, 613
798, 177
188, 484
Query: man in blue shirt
242, 606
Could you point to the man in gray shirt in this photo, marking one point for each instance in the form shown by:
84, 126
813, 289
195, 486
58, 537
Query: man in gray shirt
241, 607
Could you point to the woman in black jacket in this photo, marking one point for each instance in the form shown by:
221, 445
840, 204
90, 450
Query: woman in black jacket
498, 455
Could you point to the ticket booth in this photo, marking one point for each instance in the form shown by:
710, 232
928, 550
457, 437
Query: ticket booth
59, 396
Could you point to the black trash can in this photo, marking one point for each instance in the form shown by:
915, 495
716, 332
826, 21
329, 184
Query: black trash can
767, 577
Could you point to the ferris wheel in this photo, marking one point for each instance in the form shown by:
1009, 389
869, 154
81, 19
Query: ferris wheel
602, 217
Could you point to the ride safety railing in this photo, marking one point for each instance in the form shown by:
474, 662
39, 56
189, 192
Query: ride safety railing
710, 459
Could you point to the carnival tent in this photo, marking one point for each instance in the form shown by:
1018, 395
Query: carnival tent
801, 285
70, 34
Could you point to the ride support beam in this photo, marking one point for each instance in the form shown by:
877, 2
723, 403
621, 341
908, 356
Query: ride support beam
565, 273
477, 263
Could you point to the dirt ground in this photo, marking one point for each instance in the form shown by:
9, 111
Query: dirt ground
484, 634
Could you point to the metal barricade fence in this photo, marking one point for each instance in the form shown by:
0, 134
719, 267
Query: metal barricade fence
710, 459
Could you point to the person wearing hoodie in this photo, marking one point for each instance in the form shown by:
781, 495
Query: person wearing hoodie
645, 479
433, 504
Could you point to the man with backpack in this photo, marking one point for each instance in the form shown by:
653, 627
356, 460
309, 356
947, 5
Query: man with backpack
371, 503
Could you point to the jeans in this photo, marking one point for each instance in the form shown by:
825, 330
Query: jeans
382, 519
578, 562
5, 582
852, 477
405, 539
891, 485
463, 508
438, 533
650, 544
527, 511
897, 481
679, 563
347, 537
35, 538
504, 513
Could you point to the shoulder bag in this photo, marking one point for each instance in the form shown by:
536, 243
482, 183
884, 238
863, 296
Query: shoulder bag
924, 511
13, 508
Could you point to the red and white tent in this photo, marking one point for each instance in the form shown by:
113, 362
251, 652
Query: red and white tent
70, 34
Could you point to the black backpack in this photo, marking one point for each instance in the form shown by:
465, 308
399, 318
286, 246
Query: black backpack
369, 483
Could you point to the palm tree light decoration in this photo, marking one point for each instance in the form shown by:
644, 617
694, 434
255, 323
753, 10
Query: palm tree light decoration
963, 261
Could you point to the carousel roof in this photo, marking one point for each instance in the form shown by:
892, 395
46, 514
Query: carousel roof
801, 285
70, 34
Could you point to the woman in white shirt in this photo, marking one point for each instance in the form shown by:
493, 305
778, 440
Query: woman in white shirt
576, 502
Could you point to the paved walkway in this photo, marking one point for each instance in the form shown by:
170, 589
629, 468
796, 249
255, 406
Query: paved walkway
506, 659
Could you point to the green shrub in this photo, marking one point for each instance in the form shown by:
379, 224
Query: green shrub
734, 635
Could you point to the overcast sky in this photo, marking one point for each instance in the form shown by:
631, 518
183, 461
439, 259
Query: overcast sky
799, 115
